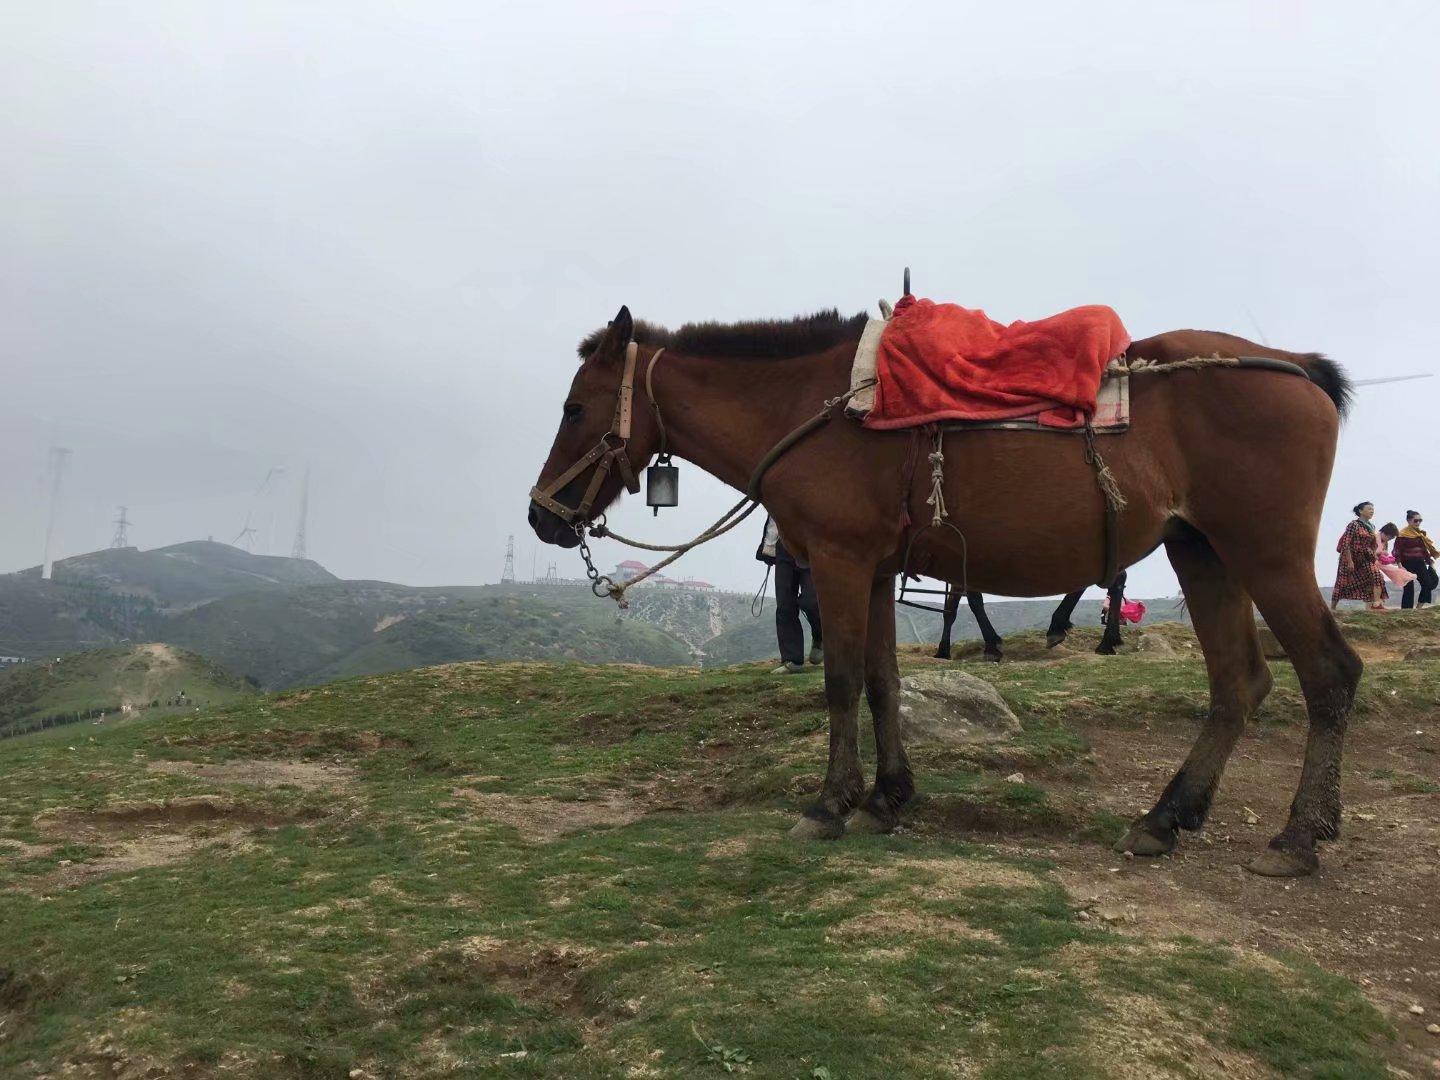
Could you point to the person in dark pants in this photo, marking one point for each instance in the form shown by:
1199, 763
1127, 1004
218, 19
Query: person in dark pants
1416, 552
794, 594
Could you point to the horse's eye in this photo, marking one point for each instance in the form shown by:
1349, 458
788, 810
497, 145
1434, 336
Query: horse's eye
573, 409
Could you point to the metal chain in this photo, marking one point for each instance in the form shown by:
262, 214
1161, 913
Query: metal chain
602, 585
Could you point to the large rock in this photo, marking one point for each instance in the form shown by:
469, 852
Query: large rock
953, 707
1270, 644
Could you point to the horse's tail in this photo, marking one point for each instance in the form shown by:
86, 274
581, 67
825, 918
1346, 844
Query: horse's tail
1330, 377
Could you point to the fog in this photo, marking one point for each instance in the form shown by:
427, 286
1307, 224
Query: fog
363, 238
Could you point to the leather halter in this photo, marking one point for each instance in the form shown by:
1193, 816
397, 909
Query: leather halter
609, 452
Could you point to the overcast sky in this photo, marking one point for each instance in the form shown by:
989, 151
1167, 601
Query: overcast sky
365, 237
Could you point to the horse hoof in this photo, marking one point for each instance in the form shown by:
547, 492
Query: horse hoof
1051, 640
1106, 650
993, 657
809, 828
862, 821
1140, 841
1274, 862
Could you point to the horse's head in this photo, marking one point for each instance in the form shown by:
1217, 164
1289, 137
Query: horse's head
599, 445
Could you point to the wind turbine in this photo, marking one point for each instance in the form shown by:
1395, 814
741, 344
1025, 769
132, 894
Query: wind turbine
244, 536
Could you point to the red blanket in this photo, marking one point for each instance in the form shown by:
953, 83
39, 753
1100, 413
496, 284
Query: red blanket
946, 362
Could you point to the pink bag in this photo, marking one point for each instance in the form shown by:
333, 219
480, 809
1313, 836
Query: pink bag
1132, 611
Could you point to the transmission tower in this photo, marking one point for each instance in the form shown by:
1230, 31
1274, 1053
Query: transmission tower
551, 578
121, 539
298, 551
58, 456
508, 576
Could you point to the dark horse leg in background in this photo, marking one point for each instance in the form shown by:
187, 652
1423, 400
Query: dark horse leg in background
1111, 638
976, 600
1060, 624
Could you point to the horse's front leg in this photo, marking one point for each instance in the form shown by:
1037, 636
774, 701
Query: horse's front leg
843, 588
894, 783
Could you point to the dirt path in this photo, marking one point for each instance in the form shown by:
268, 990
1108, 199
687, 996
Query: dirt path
1373, 910
162, 661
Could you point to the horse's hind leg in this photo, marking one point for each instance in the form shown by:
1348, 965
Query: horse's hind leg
993, 641
1239, 680
952, 609
1060, 623
1329, 673
844, 592
894, 783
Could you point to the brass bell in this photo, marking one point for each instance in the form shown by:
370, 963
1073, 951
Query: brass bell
662, 484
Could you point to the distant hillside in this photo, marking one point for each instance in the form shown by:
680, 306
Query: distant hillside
183, 575
509, 628
286, 638
46, 619
135, 675
286, 622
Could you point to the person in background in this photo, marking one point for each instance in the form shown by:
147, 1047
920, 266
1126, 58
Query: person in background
1415, 551
794, 593
1389, 565
1358, 576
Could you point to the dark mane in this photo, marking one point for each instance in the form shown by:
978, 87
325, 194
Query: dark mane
756, 339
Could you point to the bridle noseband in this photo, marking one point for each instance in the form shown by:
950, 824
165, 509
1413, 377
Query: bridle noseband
609, 452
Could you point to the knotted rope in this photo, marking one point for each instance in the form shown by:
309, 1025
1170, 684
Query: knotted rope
937, 480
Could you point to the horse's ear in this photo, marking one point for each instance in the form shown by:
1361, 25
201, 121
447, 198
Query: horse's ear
623, 327
618, 333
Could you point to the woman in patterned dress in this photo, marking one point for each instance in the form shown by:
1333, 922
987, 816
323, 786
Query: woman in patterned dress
1358, 577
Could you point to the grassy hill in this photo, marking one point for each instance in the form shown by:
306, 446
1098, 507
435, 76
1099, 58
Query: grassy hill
183, 575
135, 675
571, 871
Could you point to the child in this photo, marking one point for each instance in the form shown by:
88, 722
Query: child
1389, 565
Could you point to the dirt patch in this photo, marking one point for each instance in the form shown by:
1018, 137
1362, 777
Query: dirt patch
142, 835
1137, 1039
1371, 911
295, 697
172, 815
305, 775
541, 820
731, 847
950, 814
949, 876
889, 923
330, 740
548, 973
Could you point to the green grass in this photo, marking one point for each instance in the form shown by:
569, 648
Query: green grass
389, 925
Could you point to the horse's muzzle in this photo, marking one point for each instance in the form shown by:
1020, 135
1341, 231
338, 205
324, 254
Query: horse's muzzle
550, 528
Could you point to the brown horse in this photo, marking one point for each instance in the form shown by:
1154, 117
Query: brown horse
1210, 451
